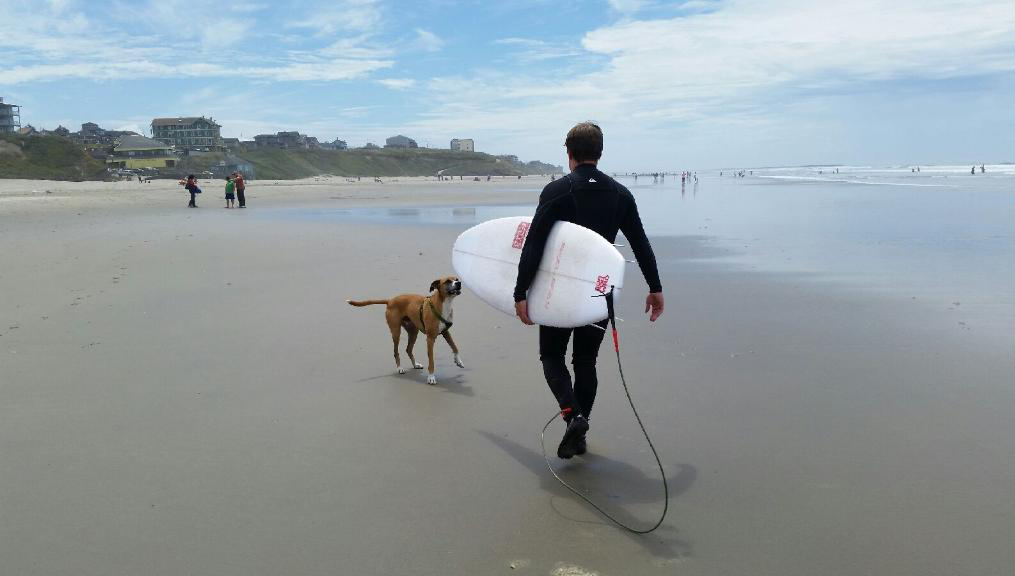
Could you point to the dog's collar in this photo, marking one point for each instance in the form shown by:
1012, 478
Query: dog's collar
435, 313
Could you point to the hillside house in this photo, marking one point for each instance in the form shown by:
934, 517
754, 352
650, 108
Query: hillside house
10, 117
133, 152
463, 145
188, 133
400, 142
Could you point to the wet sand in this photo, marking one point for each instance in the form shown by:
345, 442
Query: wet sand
186, 391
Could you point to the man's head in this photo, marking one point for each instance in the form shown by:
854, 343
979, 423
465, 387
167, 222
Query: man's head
584, 144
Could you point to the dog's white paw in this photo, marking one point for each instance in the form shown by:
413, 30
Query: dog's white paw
401, 370
458, 361
431, 379
417, 366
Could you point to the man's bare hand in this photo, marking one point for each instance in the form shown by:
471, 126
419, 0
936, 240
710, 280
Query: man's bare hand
522, 311
654, 302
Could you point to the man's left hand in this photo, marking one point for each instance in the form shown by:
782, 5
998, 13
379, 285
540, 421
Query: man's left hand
654, 302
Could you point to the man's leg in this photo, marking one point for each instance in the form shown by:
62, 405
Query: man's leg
241, 198
552, 348
585, 351
587, 340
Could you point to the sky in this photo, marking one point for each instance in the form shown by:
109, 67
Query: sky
674, 85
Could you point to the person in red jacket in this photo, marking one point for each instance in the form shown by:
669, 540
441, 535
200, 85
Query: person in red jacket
241, 186
191, 186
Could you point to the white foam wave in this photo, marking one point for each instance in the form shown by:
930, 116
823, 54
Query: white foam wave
853, 181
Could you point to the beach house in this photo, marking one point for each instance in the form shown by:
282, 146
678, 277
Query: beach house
291, 140
188, 133
10, 117
463, 144
133, 152
231, 164
400, 142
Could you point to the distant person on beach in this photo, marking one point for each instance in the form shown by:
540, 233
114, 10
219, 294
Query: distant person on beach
230, 196
972, 170
241, 187
589, 198
191, 186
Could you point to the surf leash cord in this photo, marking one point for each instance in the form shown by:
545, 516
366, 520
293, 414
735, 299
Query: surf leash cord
662, 474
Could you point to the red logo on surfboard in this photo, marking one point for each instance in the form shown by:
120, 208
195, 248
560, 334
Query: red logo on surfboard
520, 233
601, 283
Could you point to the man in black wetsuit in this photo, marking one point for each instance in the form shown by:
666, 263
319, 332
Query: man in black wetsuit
589, 198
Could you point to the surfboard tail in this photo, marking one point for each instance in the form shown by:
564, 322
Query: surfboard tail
365, 302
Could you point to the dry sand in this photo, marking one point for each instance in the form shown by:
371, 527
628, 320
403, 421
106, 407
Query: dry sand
186, 392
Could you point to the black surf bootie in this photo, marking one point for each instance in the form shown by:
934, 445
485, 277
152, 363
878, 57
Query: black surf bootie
575, 432
580, 446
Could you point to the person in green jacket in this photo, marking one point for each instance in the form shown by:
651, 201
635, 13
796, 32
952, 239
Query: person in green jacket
230, 195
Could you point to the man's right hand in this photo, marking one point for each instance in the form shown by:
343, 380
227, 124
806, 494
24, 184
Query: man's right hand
522, 311
654, 302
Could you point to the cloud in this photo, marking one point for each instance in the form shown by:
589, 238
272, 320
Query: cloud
532, 50
318, 70
356, 47
428, 41
131, 41
130, 127
397, 83
334, 16
742, 62
628, 6
800, 45
224, 32
684, 67
514, 41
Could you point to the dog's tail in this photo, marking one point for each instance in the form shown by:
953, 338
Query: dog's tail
365, 302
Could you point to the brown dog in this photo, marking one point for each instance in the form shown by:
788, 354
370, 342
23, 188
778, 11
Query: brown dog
431, 315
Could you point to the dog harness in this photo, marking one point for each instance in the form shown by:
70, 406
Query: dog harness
435, 313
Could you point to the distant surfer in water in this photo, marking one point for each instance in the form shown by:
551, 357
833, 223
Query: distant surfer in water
592, 199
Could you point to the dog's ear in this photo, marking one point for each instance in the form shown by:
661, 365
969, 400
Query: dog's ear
435, 284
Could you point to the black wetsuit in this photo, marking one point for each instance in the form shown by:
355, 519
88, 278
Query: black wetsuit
589, 198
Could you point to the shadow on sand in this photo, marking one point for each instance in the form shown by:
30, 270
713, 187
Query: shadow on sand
600, 478
456, 384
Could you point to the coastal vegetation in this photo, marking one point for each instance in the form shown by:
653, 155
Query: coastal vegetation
51, 157
284, 164
47, 157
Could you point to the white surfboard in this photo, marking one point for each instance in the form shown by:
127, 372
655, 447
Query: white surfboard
577, 265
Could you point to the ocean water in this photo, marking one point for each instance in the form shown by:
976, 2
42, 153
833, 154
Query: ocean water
941, 235
937, 232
